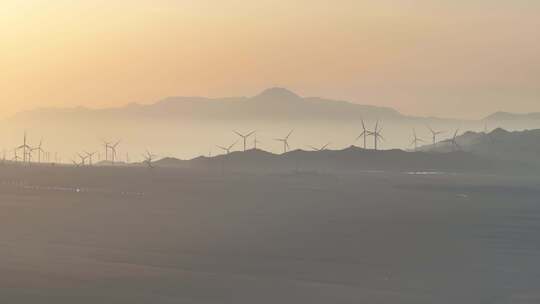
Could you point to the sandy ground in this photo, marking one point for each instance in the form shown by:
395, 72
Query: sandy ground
175, 236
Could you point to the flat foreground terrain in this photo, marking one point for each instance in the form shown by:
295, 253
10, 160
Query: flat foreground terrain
130, 235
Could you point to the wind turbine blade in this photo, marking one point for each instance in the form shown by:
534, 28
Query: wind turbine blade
239, 134
289, 134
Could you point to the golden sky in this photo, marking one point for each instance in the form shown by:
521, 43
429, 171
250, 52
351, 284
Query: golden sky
437, 57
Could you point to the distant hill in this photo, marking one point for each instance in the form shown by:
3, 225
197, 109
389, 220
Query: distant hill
187, 126
348, 160
271, 104
505, 116
522, 146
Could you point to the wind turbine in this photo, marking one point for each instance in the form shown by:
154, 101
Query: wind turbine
30, 154
321, 148
364, 134
25, 148
285, 141
77, 164
453, 141
90, 157
39, 150
227, 149
83, 158
256, 142
107, 145
113, 151
148, 158
376, 133
434, 134
15, 155
244, 137
416, 140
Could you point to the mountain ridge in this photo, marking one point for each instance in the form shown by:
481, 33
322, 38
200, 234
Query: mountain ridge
350, 159
523, 146
272, 103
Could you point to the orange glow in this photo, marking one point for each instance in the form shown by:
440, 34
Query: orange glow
420, 57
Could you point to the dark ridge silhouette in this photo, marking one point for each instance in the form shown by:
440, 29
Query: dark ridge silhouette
351, 159
500, 144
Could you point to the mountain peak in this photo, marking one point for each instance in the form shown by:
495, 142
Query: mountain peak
499, 131
277, 93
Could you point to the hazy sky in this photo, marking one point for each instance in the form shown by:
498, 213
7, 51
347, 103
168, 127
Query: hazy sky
460, 58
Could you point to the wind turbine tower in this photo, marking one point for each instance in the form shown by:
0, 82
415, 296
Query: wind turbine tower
256, 142
15, 155
148, 159
26, 148
285, 142
39, 149
90, 157
83, 159
453, 141
376, 133
416, 140
364, 134
435, 134
113, 151
244, 137
107, 145
227, 149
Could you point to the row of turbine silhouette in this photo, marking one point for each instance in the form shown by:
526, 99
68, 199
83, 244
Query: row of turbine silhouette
111, 153
376, 133
28, 152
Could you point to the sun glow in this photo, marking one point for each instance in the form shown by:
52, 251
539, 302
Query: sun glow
409, 56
